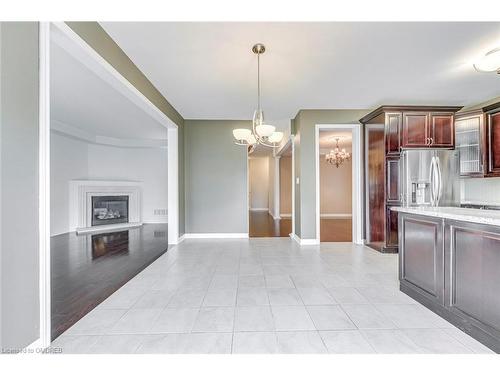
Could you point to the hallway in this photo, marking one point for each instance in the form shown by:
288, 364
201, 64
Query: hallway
265, 296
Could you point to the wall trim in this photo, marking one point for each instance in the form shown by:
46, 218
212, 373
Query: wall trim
71, 131
274, 217
336, 216
287, 216
44, 280
215, 235
304, 242
259, 209
357, 177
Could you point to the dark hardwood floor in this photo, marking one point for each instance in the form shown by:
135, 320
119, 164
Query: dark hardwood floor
86, 269
263, 225
336, 230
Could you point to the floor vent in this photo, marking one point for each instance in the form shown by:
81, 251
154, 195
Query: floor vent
160, 212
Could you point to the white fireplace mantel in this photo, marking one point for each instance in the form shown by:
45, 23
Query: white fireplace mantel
80, 202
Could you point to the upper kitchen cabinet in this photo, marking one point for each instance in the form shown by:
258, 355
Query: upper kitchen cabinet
442, 130
423, 129
409, 127
415, 129
493, 121
477, 137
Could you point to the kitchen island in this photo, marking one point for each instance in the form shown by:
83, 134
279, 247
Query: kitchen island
450, 262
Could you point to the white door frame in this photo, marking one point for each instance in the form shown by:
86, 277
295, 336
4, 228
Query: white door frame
357, 179
62, 34
288, 145
292, 140
44, 186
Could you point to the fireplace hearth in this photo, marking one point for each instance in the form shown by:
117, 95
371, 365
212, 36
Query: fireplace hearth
110, 209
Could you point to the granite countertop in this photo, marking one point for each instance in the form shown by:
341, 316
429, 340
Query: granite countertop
471, 215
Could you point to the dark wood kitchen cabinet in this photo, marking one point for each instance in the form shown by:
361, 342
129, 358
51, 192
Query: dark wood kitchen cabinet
392, 133
421, 129
388, 130
393, 182
442, 130
477, 137
415, 129
493, 121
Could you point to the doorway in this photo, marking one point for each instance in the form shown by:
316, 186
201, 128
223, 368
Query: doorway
338, 183
264, 218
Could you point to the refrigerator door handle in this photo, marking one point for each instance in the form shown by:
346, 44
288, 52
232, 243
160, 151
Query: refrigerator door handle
439, 181
431, 181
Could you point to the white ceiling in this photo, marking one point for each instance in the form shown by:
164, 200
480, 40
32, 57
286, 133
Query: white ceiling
82, 100
327, 139
207, 70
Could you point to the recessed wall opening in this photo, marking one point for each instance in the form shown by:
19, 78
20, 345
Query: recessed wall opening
335, 180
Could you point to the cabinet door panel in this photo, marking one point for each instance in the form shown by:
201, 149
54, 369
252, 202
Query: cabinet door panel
442, 130
415, 129
392, 133
475, 256
391, 236
494, 143
392, 180
422, 255
469, 143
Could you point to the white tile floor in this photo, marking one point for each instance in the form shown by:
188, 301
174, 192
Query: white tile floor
265, 296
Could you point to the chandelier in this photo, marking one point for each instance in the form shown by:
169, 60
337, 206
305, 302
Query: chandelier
261, 133
337, 156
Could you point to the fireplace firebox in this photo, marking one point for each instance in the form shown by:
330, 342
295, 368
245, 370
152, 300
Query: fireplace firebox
109, 209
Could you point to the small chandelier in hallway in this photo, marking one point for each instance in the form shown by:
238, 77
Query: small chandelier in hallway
337, 156
261, 133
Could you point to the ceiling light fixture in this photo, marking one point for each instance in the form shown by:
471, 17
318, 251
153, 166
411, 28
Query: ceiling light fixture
261, 133
337, 156
489, 62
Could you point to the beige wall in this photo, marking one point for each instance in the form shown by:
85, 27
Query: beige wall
286, 185
259, 182
216, 177
335, 187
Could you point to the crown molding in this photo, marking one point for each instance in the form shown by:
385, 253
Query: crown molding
83, 135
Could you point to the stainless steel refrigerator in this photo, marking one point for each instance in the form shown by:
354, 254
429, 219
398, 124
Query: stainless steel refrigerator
430, 178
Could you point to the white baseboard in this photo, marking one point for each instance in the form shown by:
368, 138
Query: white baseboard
106, 228
179, 240
336, 216
274, 217
259, 209
304, 242
286, 215
36, 347
156, 221
215, 235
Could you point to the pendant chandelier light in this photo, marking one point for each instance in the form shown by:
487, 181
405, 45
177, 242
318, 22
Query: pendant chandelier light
337, 156
261, 133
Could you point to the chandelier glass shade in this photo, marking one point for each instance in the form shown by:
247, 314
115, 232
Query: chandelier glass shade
261, 133
337, 156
